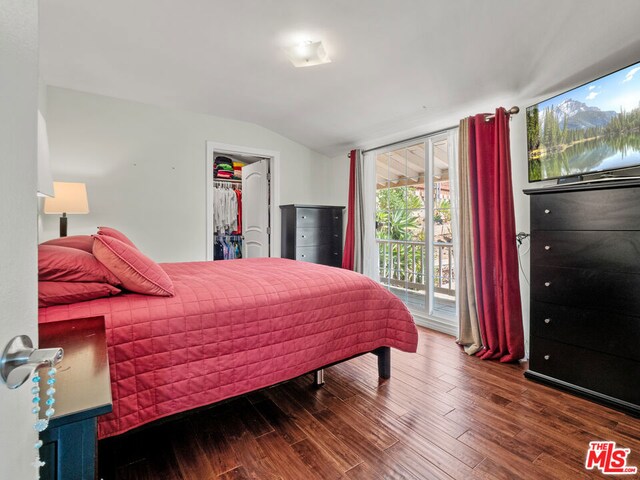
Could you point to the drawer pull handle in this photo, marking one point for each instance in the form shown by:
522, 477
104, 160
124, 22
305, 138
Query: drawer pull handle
335, 253
547, 357
335, 235
547, 247
547, 211
303, 255
303, 216
302, 236
547, 284
547, 320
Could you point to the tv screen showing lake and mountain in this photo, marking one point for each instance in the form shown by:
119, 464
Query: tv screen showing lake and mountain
592, 128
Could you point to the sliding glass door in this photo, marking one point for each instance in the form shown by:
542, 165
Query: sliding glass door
415, 219
400, 222
442, 295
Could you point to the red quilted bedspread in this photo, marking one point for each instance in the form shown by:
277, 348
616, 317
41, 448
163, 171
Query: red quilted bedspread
233, 327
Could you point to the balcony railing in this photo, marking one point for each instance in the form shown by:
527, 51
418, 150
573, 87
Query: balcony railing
403, 264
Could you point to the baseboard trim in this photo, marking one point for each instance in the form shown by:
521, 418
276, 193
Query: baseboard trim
435, 323
601, 398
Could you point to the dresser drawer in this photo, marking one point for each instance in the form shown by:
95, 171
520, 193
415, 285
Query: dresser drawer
608, 333
590, 289
607, 209
614, 251
323, 254
607, 374
318, 217
318, 236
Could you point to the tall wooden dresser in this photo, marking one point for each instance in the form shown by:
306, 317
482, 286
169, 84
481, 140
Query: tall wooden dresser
585, 290
312, 233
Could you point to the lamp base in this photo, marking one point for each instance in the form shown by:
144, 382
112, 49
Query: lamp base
63, 225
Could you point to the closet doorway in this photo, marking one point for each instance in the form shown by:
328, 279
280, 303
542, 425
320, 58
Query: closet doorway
241, 198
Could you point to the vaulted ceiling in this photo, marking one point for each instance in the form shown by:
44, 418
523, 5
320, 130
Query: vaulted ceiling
397, 64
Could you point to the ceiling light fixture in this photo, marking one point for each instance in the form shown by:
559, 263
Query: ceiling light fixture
308, 54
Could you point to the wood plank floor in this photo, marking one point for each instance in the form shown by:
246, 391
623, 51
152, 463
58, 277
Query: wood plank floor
442, 415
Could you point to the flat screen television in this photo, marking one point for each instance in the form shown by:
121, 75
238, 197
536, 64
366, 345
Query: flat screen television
590, 129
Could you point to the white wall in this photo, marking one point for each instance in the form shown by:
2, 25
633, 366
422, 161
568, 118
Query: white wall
144, 167
335, 178
18, 270
519, 173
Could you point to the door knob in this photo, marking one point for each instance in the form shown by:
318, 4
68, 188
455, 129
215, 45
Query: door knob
547, 211
19, 360
547, 284
547, 247
547, 357
547, 320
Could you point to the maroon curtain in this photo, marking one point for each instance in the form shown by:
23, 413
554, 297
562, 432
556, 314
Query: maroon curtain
495, 252
349, 241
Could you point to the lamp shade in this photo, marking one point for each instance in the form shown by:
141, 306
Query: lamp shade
68, 198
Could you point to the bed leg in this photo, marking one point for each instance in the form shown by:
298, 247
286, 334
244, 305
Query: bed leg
384, 361
318, 378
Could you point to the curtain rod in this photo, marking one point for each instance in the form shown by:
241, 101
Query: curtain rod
408, 139
488, 116
511, 111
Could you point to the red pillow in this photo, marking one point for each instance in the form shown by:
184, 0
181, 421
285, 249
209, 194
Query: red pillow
62, 293
136, 272
113, 233
81, 242
64, 264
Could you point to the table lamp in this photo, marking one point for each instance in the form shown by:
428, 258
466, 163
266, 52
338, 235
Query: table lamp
69, 198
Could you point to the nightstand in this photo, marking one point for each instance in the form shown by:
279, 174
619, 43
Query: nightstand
83, 392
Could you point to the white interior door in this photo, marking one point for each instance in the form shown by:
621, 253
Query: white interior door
255, 209
18, 208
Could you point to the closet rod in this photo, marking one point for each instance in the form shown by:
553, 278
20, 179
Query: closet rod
228, 182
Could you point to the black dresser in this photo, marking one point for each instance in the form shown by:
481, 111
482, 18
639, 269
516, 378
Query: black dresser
312, 233
585, 290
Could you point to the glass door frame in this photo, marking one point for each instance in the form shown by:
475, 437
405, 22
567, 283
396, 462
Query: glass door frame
428, 214
429, 174
386, 151
426, 311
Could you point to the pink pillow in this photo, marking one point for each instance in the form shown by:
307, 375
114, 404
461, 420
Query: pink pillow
62, 293
137, 272
64, 264
113, 233
81, 242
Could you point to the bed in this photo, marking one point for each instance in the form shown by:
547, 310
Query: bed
234, 327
